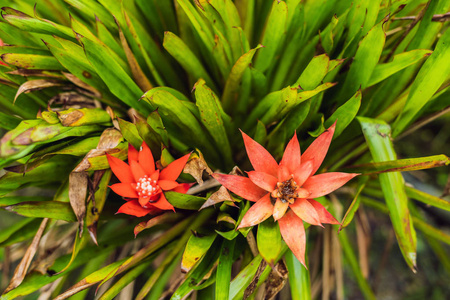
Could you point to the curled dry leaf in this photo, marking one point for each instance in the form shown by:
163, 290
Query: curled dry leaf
21, 269
220, 196
276, 281
196, 166
78, 182
109, 139
34, 85
75, 80
252, 286
165, 218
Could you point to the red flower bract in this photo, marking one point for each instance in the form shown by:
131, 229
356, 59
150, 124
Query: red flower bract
142, 185
287, 190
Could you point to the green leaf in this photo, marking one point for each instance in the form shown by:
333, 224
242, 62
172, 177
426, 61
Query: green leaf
314, 73
431, 76
402, 165
223, 273
269, 240
427, 198
230, 92
211, 116
184, 201
364, 62
115, 77
130, 133
399, 62
345, 114
196, 248
186, 58
274, 33
348, 217
377, 135
32, 61
299, 280
44, 209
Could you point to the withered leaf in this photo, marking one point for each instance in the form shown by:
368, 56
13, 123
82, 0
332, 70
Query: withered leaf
75, 80
220, 196
252, 286
196, 166
161, 219
78, 182
34, 85
21, 269
276, 281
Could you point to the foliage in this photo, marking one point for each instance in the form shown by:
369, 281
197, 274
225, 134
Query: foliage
83, 81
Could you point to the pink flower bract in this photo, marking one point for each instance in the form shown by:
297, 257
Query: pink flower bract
142, 185
287, 190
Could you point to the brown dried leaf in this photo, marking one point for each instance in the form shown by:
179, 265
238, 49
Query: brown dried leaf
252, 286
196, 166
78, 182
109, 139
276, 281
75, 80
36, 73
161, 219
71, 100
220, 196
34, 85
21, 269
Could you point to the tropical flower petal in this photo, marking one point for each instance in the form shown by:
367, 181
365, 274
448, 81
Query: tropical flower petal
303, 172
293, 233
259, 212
120, 169
283, 173
319, 148
260, 158
155, 176
167, 185
182, 188
241, 186
324, 215
306, 211
302, 193
291, 157
133, 208
133, 154
263, 180
143, 200
146, 159
137, 170
163, 204
173, 170
279, 209
124, 190
323, 184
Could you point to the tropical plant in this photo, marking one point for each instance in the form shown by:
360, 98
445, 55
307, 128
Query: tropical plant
166, 85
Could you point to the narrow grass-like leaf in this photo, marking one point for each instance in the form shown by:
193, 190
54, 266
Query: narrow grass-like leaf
399, 62
187, 59
377, 134
350, 213
32, 61
427, 198
44, 209
299, 280
274, 33
345, 114
402, 165
431, 76
230, 92
117, 80
211, 116
223, 273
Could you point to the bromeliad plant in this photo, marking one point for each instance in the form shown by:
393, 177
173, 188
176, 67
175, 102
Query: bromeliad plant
87, 85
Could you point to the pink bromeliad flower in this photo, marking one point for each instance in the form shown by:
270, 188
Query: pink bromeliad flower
142, 185
287, 190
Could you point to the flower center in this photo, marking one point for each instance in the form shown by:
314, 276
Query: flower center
286, 191
146, 187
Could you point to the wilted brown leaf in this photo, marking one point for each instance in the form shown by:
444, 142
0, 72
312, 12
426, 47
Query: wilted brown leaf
220, 196
75, 80
36, 73
252, 286
21, 269
34, 85
196, 166
77, 195
161, 219
276, 281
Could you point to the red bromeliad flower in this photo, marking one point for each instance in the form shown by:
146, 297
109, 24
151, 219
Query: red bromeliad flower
286, 190
142, 185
